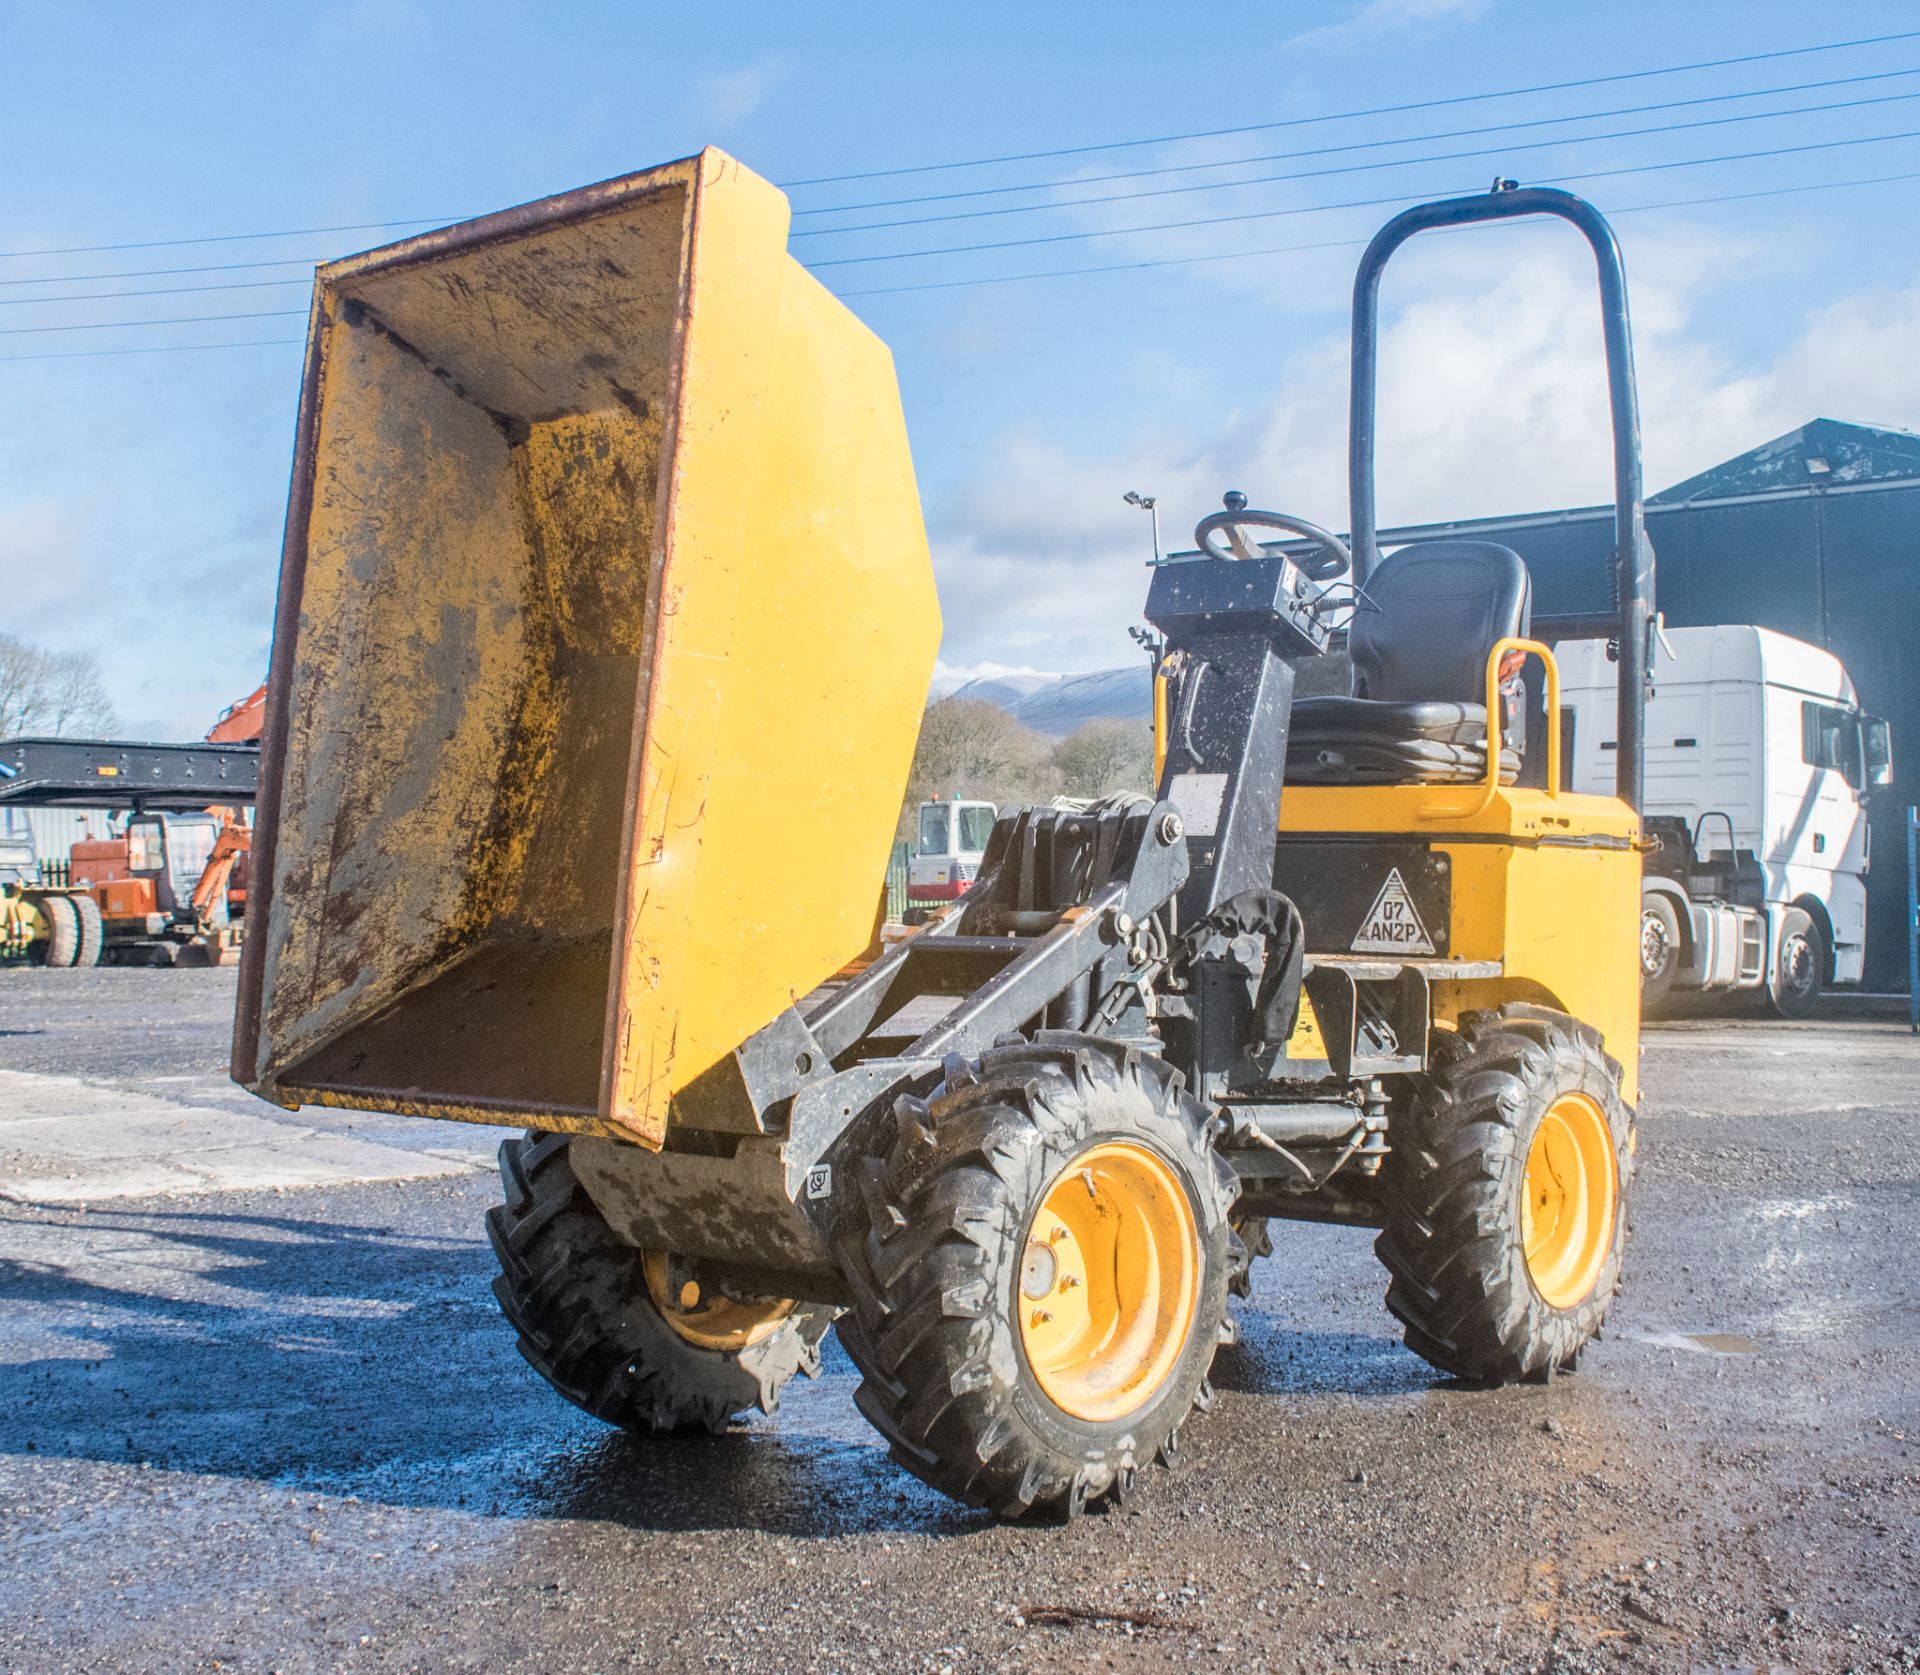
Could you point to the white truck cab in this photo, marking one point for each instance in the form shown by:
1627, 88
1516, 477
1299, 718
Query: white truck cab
1759, 761
950, 837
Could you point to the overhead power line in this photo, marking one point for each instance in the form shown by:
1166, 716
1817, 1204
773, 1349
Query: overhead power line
306, 262
1351, 243
1405, 162
176, 320
1070, 273
1352, 115
228, 238
1359, 145
1058, 151
1506, 150
155, 291
1352, 203
1105, 268
152, 349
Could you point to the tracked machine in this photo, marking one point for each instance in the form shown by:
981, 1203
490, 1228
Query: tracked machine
580, 491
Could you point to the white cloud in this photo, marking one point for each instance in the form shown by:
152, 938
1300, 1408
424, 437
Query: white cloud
950, 677
734, 95
381, 23
1492, 400
1374, 19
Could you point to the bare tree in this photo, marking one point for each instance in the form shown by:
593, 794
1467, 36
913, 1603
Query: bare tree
969, 748
1101, 757
51, 692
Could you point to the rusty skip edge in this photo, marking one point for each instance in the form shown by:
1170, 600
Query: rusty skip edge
578, 204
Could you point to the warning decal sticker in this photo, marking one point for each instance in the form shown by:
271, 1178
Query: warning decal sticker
1392, 924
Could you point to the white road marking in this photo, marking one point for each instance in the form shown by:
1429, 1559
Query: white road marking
65, 1141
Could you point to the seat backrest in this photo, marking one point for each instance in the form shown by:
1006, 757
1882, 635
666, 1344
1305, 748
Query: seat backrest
1439, 606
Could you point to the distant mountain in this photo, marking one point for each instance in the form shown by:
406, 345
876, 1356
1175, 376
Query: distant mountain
1057, 707
1003, 690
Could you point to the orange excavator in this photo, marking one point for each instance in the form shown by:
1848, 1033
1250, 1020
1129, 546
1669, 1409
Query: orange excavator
170, 888
226, 874
240, 723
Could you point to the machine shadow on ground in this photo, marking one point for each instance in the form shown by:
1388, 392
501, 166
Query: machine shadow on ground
340, 1359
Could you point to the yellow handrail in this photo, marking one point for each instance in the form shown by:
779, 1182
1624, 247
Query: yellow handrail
1490, 786
1159, 725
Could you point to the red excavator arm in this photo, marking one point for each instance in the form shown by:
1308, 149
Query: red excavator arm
240, 723
234, 841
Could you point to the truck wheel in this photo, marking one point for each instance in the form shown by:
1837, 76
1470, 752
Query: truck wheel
1659, 948
597, 1323
93, 930
1042, 1282
62, 945
1506, 1197
1799, 966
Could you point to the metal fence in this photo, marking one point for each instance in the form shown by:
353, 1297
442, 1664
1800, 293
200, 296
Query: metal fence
897, 882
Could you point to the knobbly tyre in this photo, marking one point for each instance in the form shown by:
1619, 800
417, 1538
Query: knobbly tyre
604, 541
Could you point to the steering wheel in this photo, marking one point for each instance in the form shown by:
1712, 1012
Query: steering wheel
1330, 561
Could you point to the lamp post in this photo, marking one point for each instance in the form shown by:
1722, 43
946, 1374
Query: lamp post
1148, 504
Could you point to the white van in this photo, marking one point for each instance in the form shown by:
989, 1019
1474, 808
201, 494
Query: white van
1759, 761
949, 840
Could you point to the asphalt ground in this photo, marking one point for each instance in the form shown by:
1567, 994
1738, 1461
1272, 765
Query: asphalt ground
258, 1412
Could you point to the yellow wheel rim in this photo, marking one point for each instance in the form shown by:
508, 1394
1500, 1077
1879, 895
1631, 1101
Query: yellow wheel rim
709, 1319
1109, 1282
1566, 1223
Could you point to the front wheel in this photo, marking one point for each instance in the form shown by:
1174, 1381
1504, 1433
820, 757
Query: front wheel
1042, 1282
1506, 1197
1659, 948
1799, 966
629, 1335
61, 944
93, 931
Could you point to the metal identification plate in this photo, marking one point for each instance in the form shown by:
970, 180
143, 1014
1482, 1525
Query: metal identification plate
1198, 798
1369, 898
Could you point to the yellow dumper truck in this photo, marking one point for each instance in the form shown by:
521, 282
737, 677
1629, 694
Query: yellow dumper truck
604, 542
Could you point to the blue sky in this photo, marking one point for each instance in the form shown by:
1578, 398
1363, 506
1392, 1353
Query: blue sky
141, 494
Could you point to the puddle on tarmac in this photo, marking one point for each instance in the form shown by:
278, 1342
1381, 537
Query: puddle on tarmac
1700, 1343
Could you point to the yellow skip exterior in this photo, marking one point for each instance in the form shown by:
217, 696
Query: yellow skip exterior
606, 622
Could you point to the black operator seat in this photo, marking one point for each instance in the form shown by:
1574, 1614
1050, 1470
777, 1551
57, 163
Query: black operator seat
1419, 640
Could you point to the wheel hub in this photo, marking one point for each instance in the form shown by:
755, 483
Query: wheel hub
704, 1315
1797, 958
1109, 1281
1566, 1222
1653, 944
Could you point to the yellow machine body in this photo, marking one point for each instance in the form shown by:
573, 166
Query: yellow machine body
1545, 887
606, 619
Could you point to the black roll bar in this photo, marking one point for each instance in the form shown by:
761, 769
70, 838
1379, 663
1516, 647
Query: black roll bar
1633, 579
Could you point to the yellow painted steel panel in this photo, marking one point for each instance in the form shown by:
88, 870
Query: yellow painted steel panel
1547, 885
606, 622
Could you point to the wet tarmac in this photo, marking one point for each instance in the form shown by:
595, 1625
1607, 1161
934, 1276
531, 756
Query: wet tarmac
283, 1428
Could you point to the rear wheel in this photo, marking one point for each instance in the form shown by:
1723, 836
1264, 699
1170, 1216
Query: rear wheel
1506, 1197
1042, 1282
1659, 948
623, 1333
1799, 965
93, 930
